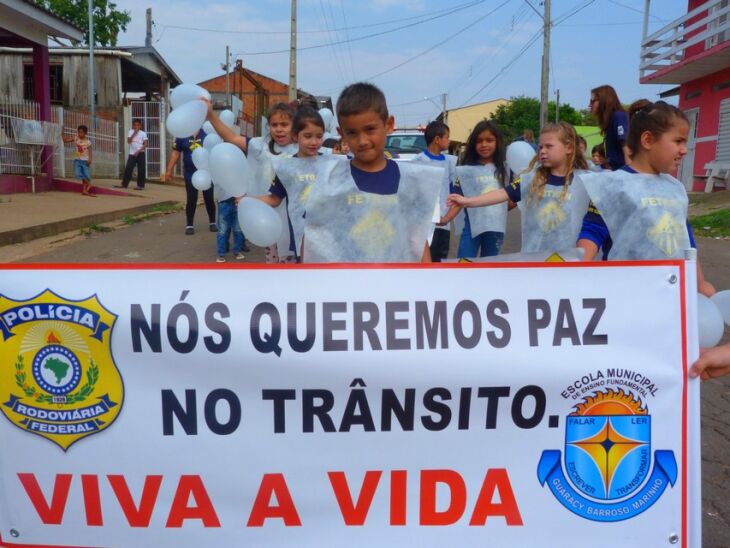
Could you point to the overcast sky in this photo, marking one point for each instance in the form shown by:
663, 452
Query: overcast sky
469, 49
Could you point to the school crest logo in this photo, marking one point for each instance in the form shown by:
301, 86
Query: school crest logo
551, 216
373, 233
607, 474
58, 379
666, 234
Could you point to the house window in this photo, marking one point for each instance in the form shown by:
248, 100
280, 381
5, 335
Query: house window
55, 73
719, 22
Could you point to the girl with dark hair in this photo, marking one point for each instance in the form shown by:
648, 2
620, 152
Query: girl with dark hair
645, 208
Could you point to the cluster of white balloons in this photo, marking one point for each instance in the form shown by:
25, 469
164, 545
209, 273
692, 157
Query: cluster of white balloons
328, 117
712, 314
221, 163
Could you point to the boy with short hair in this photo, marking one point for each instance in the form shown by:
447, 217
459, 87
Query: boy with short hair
598, 155
437, 142
82, 158
370, 209
138, 142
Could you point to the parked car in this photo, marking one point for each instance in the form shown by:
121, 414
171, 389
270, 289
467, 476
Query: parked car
405, 144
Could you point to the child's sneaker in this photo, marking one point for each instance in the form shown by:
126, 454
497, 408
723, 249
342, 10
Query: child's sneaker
213, 227
220, 259
240, 256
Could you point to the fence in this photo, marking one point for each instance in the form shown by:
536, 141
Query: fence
16, 159
151, 114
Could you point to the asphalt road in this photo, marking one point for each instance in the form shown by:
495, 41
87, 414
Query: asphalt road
161, 240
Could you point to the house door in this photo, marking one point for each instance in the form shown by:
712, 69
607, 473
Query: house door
686, 169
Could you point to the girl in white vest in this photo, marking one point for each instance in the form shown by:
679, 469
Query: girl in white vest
551, 198
642, 208
263, 154
484, 169
295, 176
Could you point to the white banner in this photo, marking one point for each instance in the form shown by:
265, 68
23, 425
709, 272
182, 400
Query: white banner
461, 405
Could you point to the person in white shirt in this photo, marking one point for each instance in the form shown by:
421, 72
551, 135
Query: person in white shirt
137, 140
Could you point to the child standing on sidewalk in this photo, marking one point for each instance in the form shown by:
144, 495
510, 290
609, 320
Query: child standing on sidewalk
82, 158
227, 223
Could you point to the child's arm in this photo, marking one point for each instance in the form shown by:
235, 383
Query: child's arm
223, 130
426, 257
492, 197
703, 286
91, 155
270, 199
145, 144
450, 214
68, 138
131, 136
712, 363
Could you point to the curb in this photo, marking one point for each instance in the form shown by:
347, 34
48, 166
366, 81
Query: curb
29, 233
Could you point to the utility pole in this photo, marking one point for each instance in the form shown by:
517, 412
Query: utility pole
545, 64
92, 86
148, 36
557, 106
293, 53
445, 115
228, 72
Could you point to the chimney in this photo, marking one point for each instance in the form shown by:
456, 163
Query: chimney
148, 37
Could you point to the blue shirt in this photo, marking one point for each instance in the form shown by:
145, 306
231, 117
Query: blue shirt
381, 182
616, 134
436, 157
514, 191
186, 146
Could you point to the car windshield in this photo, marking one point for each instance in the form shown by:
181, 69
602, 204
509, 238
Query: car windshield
414, 143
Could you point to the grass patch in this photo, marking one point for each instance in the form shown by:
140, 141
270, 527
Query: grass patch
712, 225
159, 209
91, 229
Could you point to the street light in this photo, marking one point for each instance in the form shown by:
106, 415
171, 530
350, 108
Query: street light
441, 107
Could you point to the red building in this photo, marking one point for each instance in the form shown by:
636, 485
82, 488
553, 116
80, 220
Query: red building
256, 91
693, 52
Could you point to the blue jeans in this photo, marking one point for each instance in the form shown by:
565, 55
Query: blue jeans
486, 244
81, 170
227, 222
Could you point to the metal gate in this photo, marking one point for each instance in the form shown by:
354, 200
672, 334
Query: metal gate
152, 115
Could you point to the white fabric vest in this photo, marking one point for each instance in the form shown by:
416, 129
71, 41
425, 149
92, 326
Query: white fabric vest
346, 225
449, 168
477, 180
297, 175
645, 214
551, 224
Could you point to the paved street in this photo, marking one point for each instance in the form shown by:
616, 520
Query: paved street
161, 239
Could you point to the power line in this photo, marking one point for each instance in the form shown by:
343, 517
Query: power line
441, 43
429, 16
347, 36
331, 40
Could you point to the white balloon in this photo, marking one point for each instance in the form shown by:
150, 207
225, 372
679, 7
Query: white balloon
201, 180
211, 141
328, 117
519, 156
186, 119
710, 325
200, 158
722, 302
209, 129
259, 222
229, 169
228, 118
184, 93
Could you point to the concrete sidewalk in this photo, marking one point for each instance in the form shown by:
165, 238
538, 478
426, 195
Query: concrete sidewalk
26, 216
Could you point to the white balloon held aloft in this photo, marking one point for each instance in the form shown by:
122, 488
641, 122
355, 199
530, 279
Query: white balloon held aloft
201, 179
710, 325
328, 118
722, 301
184, 93
228, 118
211, 141
229, 168
209, 129
519, 156
259, 222
186, 119
200, 158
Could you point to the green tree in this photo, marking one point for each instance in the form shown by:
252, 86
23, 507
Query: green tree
524, 113
108, 21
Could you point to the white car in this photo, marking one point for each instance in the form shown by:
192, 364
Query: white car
405, 144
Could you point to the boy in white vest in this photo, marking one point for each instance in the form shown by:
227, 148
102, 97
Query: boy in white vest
370, 209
